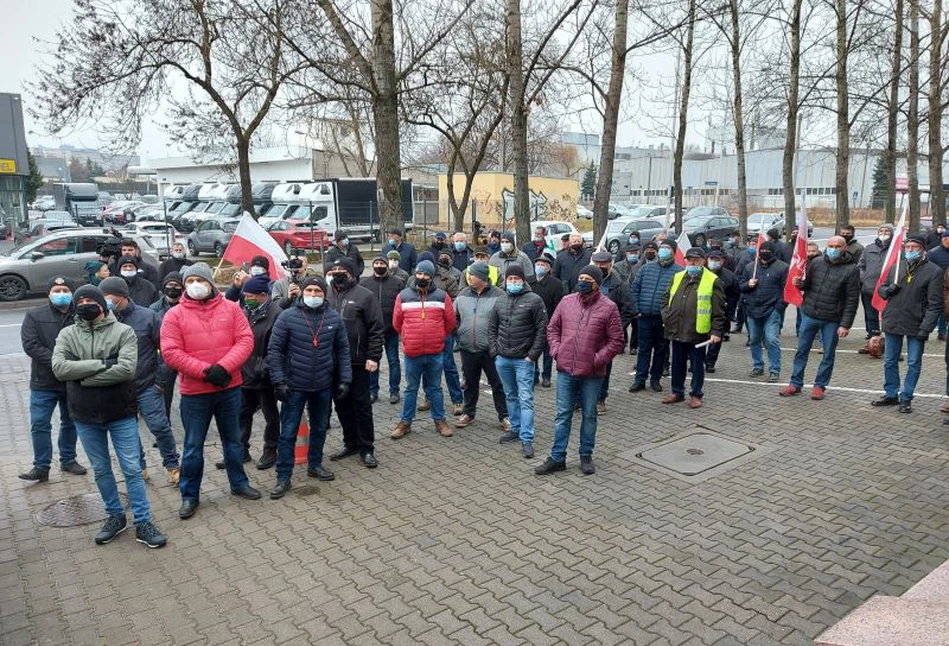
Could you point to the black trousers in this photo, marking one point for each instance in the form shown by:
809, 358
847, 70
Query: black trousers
355, 413
253, 399
472, 364
166, 381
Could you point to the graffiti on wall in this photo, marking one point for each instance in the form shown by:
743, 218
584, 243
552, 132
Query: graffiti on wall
541, 207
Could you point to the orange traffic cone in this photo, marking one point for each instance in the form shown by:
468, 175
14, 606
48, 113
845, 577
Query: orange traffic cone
303, 441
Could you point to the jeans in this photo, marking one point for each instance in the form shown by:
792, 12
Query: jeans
570, 391
317, 403
517, 375
652, 346
196, 413
891, 367
42, 404
766, 328
264, 399
355, 413
809, 330
451, 371
395, 368
683, 354
871, 317
166, 381
151, 406
427, 367
941, 324
472, 365
544, 368
125, 440
605, 385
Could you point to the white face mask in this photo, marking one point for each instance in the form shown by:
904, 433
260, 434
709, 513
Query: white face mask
178, 255
198, 290
128, 273
506, 247
313, 301
257, 271
393, 264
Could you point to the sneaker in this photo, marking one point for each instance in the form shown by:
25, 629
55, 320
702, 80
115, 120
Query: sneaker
148, 534
773, 377
817, 393
74, 468
394, 398
756, 372
656, 385
906, 406
527, 449
114, 525
886, 401
424, 405
506, 424
443, 428
586, 465
174, 476
318, 472
458, 409
550, 466
509, 437
401, 430
641, 385
35, 475
789, 391
601, 408
463, 421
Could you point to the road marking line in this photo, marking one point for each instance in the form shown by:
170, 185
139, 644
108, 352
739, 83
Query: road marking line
11, 325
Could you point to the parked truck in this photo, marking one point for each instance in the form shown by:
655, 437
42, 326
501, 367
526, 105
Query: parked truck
81, 200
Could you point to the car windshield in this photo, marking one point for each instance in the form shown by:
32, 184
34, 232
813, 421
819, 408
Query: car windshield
231, 210
758, 218
230, 226
641, 211
698, 211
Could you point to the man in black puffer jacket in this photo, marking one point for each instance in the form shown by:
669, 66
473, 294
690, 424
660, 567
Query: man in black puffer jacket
385, 286
517, 332
831, 294
913, 295
362, 315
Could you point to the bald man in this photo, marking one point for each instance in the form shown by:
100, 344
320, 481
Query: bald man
831, 292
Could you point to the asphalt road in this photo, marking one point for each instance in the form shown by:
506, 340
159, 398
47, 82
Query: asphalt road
10, 321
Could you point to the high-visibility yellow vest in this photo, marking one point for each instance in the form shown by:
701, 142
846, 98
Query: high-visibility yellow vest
703, 301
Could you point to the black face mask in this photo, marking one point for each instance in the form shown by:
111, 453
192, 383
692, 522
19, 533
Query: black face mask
576, 247
342, 281
173, 292
847, 237
439, 245
765, 256
650, 255
422, 283
380, 271
88, 311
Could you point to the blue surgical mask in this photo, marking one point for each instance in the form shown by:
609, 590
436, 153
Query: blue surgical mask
912, 256
633, 240
393, 242
729, 244
60, 299
665, 253
109, 304
460, 246
694, 270
632, 258
313, 301
714, 265
752, 248
515, 288
540, 270
583, 287
832, 253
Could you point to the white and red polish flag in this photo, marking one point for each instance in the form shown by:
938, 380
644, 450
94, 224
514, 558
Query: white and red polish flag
793, 294
892, 258
683, 244
249, 240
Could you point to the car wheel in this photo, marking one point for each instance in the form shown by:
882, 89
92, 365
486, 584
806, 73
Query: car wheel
613, 246
699, 240
218, 249
288, 248
192, 250
12, 288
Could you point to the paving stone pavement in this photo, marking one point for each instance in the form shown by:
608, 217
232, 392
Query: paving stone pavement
456, 541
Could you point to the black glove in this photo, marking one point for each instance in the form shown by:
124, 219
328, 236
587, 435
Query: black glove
110, 362
341, 391
893, 289
282, 392
217, 376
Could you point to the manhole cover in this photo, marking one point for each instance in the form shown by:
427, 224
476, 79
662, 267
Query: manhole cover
696, 456
78, 510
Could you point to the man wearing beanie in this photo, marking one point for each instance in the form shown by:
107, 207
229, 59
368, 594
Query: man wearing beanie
259, 268
494, 273
41, 325
408, 256
693, 312
613, 288
570, 261
129, 247
423, 317
628, 263
97, 358
172, 289
207, 339
473, 309
147, 327
509, 254
141, 290
393, 258
650, 284
716, 264
550, 291
385, 287
343, 248
584, 335
870, 266
762, 297
516, 333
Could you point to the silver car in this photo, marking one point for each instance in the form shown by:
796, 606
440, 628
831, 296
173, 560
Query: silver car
27, 267
211, 236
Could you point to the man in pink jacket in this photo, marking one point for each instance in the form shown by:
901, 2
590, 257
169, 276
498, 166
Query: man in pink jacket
207, 339
584, 335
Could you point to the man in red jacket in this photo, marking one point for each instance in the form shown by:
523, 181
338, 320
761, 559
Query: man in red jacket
423, 317
584, 335
207, 339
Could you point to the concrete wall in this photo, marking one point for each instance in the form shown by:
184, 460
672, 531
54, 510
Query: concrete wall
551, 198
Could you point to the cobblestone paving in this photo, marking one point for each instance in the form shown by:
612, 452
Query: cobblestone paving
456, 541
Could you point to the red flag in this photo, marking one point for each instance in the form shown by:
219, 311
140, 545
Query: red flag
251, 240
892, 257
792, 294
683, 244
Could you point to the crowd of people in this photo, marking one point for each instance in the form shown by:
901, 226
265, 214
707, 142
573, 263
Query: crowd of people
113, 350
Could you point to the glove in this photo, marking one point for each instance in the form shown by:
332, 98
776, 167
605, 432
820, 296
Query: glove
217, 376
893, 290
282, 392
341, 391
110, 362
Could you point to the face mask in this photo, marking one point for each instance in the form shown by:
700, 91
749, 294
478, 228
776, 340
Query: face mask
538, 238
178, 255
393, 264
665, 253
650, 256
60, 299
693, 270
128, 273
88, 311
540, 270
173, 292
729, 244
393, 242
460, 246
313, 301
633, 240
422, 283
714, 265
632, 258
257, 271
252, 303
832, 253
584, 287
341, 280
884, 237
752, 248
438, 245
198, 290
515, 288
344, 243
506, 247
765, 255
577, 247
912, 256
847, 237
109, 304
380, 271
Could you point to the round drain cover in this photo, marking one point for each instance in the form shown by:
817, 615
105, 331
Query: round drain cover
695, 451
78, 510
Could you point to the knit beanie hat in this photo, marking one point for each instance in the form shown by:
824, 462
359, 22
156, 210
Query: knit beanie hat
315, 280
426, 267
93, 292
669, 242
593, 272
172, 277
66, 281
514, 269
124, 260
199, 269
114, 286
480, 270
256, 285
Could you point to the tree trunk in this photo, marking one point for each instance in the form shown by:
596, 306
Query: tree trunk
843, 121
243, 171
893, 111
790, 144
604, 182
739, 121
937, 197
912, 118
385, 112
518, 115
683, 118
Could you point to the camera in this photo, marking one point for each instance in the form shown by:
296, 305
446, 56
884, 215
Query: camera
293, 267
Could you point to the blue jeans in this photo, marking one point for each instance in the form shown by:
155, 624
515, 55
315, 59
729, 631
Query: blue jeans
805, 339
684, 354
767, 328
652, 346
427, 367
891, 367
517, 375
570, 391
318, 406
196, 413
451, 371
42, 405
395, 368
941, 324
151, 406
125, 440
871, 317
548, 364
605, 383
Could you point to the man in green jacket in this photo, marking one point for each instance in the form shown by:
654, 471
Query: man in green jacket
97, 358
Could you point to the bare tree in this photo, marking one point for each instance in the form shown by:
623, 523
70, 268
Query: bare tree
937, 196
687, 52
912, 120
841, 181
793, 110
893, 111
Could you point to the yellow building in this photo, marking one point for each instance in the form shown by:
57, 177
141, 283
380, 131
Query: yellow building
550, 198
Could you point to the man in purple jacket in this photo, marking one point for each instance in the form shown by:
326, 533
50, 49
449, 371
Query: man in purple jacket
584, 335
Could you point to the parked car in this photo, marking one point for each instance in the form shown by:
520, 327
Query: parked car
650, 211
702, 227
162, 236
211, 236
618, 231
148, 213
616, 211
27, 267
758, 222
298, 234
120, 212
44, 203
555, 229
701, 211
583, 213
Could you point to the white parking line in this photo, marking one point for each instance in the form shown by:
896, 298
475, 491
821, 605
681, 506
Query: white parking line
10, 325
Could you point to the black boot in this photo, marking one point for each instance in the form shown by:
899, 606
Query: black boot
35, 475
279, 489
